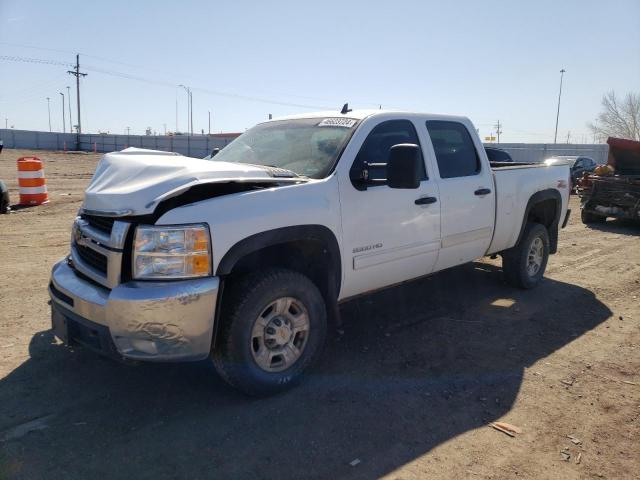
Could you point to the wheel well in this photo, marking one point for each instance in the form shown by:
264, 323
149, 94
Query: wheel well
544, 212
308, 257
544, 208
311, 250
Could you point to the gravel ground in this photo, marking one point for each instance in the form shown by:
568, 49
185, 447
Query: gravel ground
406, 390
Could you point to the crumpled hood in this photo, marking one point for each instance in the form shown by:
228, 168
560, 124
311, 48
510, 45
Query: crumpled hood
134, 181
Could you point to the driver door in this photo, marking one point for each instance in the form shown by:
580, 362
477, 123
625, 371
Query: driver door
389, 235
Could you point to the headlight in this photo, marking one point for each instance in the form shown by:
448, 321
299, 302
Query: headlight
171, 252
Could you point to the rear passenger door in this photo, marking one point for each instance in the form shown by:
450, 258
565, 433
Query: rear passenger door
467, 196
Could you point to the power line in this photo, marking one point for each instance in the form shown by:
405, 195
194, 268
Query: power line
13, 58
34, 92
161, 82
118, 62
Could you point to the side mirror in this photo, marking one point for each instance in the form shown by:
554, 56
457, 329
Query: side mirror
404, 167
214, 152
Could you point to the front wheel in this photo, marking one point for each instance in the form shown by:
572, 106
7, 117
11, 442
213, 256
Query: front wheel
524, 265
274, 325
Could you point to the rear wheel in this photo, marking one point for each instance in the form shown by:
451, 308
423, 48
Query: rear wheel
274, 329
588, 217
524, 264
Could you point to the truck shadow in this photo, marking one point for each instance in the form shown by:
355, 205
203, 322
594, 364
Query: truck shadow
413, 367
621, 226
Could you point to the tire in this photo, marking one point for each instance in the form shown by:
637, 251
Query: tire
588, 217
4, 198
4, 204
517, 263
253, 305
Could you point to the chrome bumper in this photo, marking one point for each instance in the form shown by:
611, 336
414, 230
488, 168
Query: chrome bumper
155, 321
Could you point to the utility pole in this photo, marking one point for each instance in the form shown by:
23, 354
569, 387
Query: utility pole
498, 130
76, 73
69, 100
165, 128
128, 130
64, 128
568, 136
555, 137
49, 110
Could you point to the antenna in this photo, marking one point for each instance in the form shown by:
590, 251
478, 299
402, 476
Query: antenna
345, 109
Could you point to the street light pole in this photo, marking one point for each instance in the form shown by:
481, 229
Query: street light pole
189, 110
64, 127
209, 122
69, 100
555, 137
49, 110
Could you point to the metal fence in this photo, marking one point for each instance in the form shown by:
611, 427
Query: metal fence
537, 152
37, 140
201, 145
192, 146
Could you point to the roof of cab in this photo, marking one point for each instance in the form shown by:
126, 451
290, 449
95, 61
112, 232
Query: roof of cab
364, 113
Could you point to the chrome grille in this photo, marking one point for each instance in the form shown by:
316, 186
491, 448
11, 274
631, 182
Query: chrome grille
96, 248
93, 258
104, 224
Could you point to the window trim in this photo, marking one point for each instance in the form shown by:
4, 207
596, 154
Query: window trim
417, 137
480, 169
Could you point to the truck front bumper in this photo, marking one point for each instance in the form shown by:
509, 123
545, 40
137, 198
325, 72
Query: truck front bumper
154, 321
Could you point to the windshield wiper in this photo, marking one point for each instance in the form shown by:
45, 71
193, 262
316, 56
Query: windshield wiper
279, 172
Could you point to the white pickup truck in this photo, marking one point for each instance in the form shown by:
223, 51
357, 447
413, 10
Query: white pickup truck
244, 258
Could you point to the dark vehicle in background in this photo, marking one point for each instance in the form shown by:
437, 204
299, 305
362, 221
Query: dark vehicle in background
613, 190
579, 165
4, 198
497, 155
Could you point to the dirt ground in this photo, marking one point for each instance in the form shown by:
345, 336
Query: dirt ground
405, 390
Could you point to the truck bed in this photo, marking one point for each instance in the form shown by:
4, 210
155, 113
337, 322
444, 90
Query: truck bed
515, 184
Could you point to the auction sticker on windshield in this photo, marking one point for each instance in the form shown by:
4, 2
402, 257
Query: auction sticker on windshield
338, 122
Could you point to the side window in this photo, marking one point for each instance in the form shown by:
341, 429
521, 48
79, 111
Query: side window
375, 150
455, 153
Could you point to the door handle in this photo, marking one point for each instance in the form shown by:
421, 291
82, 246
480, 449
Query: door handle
425, 200
482, 191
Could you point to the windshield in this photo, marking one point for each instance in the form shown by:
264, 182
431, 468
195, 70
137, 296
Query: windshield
308, 147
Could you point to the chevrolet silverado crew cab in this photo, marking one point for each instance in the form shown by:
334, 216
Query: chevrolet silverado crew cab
244, 258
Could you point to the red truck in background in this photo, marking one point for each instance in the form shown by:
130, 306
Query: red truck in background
613, 190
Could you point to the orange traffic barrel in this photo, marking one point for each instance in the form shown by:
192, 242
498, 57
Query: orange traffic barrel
33, 188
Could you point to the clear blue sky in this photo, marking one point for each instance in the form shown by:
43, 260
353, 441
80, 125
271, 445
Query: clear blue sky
486, 60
